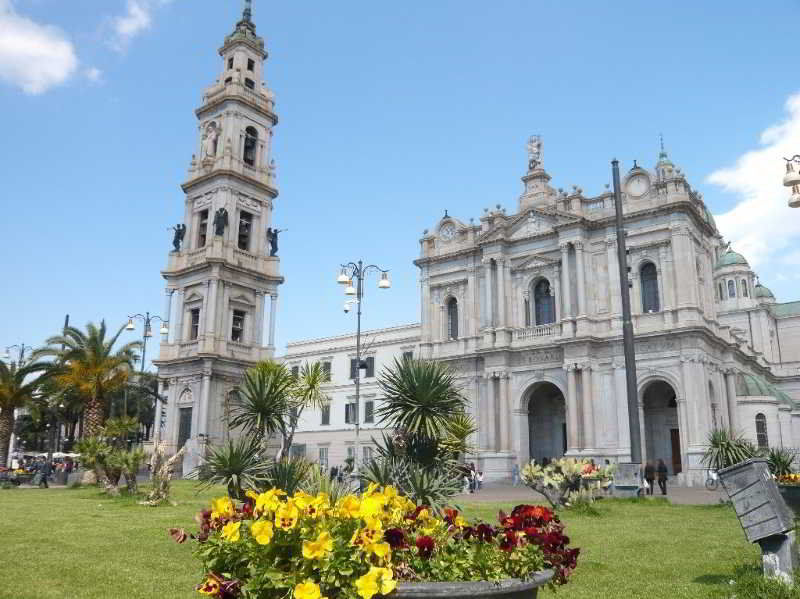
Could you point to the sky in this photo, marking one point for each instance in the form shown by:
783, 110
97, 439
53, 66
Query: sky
390, 113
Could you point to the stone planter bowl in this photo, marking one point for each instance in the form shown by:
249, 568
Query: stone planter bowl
791, 495
510, 588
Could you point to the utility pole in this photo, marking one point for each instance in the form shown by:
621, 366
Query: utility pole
627, 326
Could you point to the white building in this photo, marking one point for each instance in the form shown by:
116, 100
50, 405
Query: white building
223, 275
526, 307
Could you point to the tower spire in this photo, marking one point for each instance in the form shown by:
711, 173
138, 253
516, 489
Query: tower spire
247, 13
663, 153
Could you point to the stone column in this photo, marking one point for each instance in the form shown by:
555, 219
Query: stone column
443, 324
621, 400
683, 258
177, 330
491, 413
488, 293
588, 407
501, 286
204, 311
505, 414
273, 306
581, 276
730, 389
565, 284
470, 327
425, 291
205, 398
257, 336
615, 305
572, 410
211, 311
666, 282
167, 314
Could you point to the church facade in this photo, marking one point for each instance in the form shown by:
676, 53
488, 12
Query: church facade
526, 307
222, 276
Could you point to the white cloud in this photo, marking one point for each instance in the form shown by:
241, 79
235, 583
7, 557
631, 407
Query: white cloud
761, 224
93, 74
33, 56
138, 18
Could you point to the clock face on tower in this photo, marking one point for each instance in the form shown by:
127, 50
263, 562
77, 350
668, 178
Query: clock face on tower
638, 185
447, 232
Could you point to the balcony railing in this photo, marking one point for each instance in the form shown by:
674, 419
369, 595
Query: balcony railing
544, 330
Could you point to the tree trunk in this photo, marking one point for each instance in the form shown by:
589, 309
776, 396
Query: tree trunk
6, 428
94, 417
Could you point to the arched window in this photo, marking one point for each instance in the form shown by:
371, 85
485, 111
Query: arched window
543, 303
731, 288
649, 277
250, 144
744, 288
452, 318
761, 431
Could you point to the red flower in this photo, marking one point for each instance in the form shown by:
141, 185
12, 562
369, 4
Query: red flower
413, 515
178, 534
425, 545
485, 533
509, 541
450, 515
396, 538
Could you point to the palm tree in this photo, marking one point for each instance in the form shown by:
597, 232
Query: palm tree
307, 393
17, 392
421, 397
262, 401
92, 367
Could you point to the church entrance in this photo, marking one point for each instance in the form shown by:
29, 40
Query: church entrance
547, 423
661, 430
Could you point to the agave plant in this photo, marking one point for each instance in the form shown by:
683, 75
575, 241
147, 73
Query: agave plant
726, 449
318, 481
288, 474
238, 464
128, 463
779, 461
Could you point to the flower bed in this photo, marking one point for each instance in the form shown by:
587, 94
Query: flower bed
304, 547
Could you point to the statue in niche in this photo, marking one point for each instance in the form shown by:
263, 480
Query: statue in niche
272, 239
212, 135
534, 148
177, 239
220, 221
273, 170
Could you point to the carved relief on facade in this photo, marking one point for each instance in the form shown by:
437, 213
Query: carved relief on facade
540, 356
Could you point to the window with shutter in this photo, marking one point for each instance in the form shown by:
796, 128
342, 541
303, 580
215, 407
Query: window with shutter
350, 413
353, 368
326, 415
761, 431
649, 278
295, 371
543, 303
370, 367
326, 369
369, 412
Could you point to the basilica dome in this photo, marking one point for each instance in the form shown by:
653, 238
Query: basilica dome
731, 258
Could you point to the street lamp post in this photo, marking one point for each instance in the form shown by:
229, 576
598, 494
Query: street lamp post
792, 179
147, 319
22, 349
357, 272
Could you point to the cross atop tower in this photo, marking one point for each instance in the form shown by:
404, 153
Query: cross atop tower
247, 13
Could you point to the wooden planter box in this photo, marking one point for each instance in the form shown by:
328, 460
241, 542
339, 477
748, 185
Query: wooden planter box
510, 588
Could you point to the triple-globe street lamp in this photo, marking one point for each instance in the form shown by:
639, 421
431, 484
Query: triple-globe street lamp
147, 319
792, 179
21, 355
356, 272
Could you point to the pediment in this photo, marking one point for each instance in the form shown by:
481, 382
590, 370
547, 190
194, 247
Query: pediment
531, 222
193, 297
533, 262
242, 299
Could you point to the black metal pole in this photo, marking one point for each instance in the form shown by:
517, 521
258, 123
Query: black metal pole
627, 325
359, 291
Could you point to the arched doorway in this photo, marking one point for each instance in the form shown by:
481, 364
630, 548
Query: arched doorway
661, 429
547, 422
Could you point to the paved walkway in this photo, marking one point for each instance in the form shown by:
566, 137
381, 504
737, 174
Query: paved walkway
504, 492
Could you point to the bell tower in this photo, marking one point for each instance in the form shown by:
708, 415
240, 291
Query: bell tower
223, 273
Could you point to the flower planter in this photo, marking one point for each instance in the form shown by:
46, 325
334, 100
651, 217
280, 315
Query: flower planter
791, 495
510, 588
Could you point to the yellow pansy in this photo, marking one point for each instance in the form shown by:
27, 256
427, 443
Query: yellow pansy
209, 587
460, 522
286, 515
390, 493
319, 548
349, 506
377, 580
251, 494
262, 532
269, 500
230, 532
222, 507
308, 590
302, 499
382, 550
372, 505
371, 489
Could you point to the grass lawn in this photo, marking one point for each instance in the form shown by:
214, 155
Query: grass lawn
76, 543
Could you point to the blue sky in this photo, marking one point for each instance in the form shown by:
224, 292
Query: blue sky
390, 113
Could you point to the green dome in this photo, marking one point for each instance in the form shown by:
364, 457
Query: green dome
761, 291
731, 258
754, 385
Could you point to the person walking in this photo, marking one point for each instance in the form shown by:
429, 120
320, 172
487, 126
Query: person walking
650, 476
515, 474
479, 478
662, 476
44, 472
